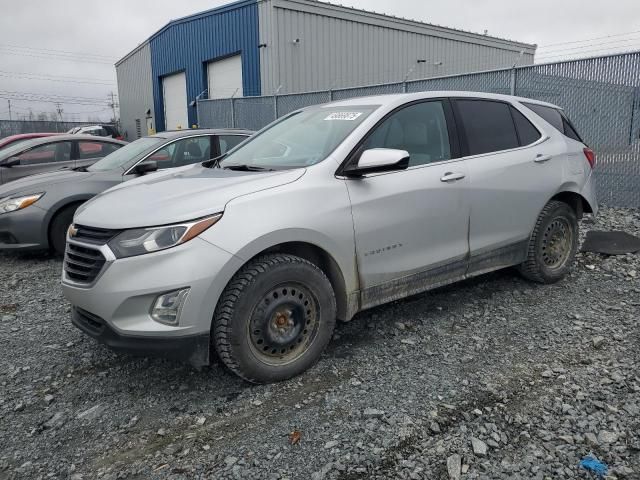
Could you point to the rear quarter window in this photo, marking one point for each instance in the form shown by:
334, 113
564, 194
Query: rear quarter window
556, 118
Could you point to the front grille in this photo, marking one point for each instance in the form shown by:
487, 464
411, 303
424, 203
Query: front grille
82, 264
97, 236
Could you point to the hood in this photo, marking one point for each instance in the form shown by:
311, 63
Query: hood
39, 182
172, 197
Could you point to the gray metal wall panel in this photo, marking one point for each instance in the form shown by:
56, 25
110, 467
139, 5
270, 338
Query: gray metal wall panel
344, 48
135, 91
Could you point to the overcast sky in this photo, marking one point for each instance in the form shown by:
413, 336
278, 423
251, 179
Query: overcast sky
88, 37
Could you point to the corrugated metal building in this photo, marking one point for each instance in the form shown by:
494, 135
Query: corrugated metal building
255, 47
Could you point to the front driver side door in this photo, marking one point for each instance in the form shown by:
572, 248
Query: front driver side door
411, 226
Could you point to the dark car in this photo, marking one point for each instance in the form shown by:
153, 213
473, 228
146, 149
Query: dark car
57, 195
52, 153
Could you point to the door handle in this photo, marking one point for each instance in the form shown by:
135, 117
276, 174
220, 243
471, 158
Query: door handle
451, 177
540, 158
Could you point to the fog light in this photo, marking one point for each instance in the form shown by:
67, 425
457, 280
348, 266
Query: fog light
167, 307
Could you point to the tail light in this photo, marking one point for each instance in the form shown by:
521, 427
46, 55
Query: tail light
591, 157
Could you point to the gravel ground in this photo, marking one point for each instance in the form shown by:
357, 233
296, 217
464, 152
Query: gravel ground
491, 378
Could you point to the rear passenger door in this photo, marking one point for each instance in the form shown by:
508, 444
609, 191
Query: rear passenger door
513, 171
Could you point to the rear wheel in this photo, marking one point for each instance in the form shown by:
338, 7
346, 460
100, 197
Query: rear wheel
58, 228
553, 244
274, 319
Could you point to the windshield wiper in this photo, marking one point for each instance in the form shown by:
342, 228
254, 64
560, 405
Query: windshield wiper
214, 162
247, 168
80, 169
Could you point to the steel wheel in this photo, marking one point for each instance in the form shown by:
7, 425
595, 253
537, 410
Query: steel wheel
553, 244
275, 318
557, 243
283, 324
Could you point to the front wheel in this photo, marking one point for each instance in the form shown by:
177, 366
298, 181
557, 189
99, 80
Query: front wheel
274, 319
553, 244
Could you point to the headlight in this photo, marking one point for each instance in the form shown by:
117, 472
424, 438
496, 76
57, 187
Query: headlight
146, 240
18, 203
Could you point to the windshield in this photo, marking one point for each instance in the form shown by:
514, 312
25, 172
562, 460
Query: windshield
9, 147
299, 140
122, 157
16, 147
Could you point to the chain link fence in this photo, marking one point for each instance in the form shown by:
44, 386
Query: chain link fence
16, 127
601, 95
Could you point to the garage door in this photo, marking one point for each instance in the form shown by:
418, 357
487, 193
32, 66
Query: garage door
225, 78
174, 91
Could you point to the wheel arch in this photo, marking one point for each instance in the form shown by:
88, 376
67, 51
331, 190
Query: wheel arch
575, 200
322, 259
55, 211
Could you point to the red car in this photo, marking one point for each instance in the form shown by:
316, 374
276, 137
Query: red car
14, 139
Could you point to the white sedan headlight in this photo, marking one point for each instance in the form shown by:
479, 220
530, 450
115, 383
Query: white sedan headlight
12, 204
139, 241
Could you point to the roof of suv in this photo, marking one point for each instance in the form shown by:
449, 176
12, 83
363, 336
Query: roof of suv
400, 98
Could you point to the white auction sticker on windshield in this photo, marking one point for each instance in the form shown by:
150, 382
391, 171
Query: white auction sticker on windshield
349, 116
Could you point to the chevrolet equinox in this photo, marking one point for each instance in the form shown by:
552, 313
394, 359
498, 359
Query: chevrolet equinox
328, 211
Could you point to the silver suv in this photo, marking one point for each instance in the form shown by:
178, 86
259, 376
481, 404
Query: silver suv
331, 210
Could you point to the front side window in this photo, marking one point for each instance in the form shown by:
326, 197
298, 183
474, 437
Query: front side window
183, 152
420, 129
49, 153
488, 126
302, 139
124, 157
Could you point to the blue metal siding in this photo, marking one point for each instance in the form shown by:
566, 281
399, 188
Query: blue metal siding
190, 43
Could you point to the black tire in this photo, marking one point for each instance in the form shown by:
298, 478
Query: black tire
274, 319
58, 228
553, 244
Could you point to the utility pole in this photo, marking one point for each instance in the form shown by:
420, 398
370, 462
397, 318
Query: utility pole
59, 110
9, 102
112, 104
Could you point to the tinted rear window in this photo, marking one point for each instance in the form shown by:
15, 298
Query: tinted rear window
488, 126
527, 133
556, 118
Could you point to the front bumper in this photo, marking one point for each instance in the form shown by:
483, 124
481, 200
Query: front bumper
193, 349
123, 293
23, 230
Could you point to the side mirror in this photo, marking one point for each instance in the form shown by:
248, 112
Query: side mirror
10, 162
378, 160
146, 167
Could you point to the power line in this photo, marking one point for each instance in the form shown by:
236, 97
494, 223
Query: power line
587, 40
626, 42
628, 48
67, 52
53, 78
55, 57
